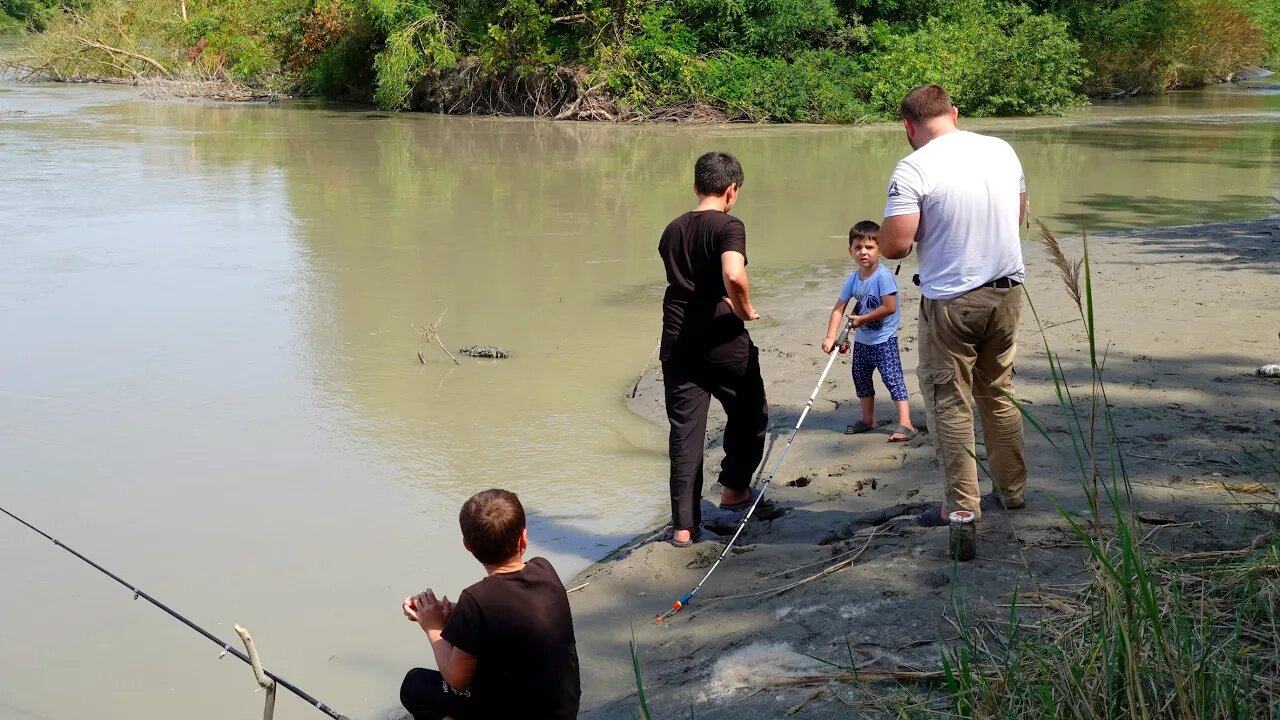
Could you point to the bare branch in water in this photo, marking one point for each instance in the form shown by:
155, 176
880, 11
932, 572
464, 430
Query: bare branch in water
1070, 269
432, 333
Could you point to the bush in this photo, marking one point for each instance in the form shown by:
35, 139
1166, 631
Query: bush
1266, 15
784, 60
818, 86
9, 24
33, 14
658, 67
1152, 45
1004, 61
764, 27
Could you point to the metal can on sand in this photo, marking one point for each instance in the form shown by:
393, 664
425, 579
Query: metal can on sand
964, 535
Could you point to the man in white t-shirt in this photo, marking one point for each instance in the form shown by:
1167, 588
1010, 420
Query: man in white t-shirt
961, 197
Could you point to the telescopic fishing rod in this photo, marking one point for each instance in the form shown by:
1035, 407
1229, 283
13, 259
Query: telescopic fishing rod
680, 604
226, 647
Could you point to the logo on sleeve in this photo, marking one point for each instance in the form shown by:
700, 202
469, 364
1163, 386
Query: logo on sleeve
893, 189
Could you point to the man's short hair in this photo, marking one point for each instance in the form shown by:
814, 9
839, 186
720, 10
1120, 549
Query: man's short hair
865, 230
926, 103
491, 525
715, 172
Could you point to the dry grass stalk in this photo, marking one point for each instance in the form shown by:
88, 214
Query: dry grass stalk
1070, 269
431, 333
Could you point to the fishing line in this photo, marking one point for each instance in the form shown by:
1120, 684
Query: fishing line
225, 646
678, 605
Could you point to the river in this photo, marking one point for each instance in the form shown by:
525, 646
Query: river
209, 381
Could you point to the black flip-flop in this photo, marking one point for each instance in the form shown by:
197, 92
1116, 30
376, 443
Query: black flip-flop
933, 517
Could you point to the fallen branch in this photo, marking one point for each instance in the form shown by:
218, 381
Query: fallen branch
127, 53
431, 333
829, 570
800, 706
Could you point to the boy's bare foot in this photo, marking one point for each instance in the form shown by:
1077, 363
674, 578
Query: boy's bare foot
735, 498
682, 537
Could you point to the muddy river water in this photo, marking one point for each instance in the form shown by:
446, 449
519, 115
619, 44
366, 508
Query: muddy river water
209, 381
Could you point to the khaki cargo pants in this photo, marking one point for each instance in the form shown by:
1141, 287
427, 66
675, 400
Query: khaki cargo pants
967, 345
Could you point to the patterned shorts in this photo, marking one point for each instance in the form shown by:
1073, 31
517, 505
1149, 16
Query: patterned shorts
883, 357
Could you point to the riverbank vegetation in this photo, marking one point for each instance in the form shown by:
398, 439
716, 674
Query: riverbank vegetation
776, 60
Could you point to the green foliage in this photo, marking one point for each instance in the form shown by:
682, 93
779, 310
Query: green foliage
33, 14
781, 60
818, 86
1006, 61
1151, 45
9, 24
659, 66
765, 27
1266, 15
417, 40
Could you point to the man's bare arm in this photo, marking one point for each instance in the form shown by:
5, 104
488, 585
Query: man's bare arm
733, 266
1022, 208
897, 235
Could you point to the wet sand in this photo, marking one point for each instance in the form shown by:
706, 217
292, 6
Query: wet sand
1185, 315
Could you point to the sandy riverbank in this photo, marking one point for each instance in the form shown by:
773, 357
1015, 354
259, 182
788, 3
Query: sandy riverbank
1189, 313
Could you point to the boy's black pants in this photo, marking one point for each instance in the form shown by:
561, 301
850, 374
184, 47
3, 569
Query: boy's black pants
690, 384
426, 696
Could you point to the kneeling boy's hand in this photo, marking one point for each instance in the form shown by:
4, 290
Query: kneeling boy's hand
432, 613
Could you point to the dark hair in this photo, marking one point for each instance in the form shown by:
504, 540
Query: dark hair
925, 103
491, 525
865, 230
715, 172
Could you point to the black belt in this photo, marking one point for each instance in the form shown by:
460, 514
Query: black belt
1003, 283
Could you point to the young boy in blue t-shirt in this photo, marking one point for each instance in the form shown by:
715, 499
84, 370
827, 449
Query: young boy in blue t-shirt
876, 317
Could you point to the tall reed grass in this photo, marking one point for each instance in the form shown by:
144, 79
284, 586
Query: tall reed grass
1150, 636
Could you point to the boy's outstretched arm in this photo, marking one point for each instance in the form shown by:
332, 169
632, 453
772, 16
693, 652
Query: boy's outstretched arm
733, 266
833, 325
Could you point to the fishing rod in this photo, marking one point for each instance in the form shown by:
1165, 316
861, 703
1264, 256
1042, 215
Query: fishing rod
226, 647
680, 604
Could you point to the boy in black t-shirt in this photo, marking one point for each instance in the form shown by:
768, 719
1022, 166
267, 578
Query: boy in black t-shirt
506, 649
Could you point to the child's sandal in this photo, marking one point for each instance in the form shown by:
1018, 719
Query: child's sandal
902, 434
857, 428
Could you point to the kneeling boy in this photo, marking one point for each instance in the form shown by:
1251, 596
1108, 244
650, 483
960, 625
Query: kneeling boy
506, 649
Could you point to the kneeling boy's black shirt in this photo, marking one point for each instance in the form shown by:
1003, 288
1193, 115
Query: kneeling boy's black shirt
519, 628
